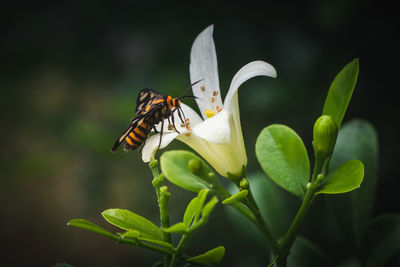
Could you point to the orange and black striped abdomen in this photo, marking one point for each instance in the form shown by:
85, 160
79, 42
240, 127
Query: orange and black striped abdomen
137, 136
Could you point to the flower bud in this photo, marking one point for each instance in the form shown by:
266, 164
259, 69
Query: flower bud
194, 166
244, 184
325, 134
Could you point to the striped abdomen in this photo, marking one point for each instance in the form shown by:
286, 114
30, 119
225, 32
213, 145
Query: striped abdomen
137, 136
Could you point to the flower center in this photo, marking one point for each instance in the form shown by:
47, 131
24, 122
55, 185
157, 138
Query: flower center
209, 113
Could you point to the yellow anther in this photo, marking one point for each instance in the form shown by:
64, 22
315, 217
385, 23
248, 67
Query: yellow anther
209, 113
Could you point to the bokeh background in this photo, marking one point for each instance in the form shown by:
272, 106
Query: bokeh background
70, 73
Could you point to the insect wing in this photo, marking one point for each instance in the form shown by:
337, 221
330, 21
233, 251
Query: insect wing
144, 99
133, 124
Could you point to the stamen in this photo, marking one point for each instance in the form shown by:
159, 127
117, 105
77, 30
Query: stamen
219, 109
202, 88
170, 127
209, 113
212, 99
183, 125
215, 93
188, 134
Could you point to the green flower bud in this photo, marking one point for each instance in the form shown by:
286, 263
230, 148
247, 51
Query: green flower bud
194, 166
244, 184
325, 134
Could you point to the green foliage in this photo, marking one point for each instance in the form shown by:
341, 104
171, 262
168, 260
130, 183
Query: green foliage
356, 140
128, 220
306, 253
86, 225
186, 170
236, 197
340, 92
381, 240
210, 258
271, 200
283, 157
345, 178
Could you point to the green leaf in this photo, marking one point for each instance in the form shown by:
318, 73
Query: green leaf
190, 212
201, 199
306, 253
84, 224
131, 234
381, 240
357, 139
345, 178
185, 169
210, 258
340, 92
283, 157
236, 197
208, 208
128, 220
176, 228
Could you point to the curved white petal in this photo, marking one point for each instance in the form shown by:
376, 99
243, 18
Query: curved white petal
203, 66
151, 145
253, 69
216, 129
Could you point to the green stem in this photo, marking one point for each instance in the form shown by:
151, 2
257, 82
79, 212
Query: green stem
180, 249
224, 194
163, 250
252, 212
320, 170
162, 199
260, 222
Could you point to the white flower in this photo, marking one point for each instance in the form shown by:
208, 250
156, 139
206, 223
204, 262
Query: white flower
217, 136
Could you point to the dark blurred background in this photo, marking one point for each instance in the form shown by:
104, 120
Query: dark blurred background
70, 73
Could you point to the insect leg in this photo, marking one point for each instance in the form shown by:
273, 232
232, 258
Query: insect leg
161, 133
173, 121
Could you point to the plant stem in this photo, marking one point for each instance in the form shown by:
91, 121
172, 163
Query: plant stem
162, 199
320, 168
179, 249
224, 194
260, 223
252, 212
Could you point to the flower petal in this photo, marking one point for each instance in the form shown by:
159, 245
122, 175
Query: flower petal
203, 66
216, 129
151, 145
253, 69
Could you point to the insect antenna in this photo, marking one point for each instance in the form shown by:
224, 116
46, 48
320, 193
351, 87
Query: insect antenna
187, 88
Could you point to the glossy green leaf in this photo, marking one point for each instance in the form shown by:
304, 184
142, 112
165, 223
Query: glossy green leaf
128, 220
210, 258
283, 157
84, 224
306, 253
185, 169
381, 240
190, 212
357, 139
340, 92
131, 234
343, 179
201, 199
176, 228
236, 197
208, 208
